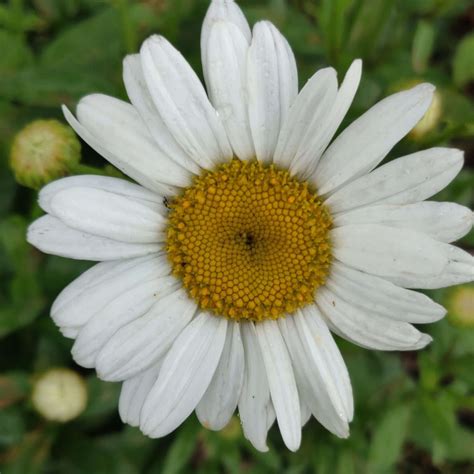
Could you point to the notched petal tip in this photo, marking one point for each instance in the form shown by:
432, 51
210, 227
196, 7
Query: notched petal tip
129, 60
153, 41
263, 24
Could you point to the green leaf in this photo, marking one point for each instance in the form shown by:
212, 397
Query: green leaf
55, 10
388, 439
14, 386
80, 454
368, 27
7, 185
345, 463
182, 448
17, 19
15, 53
103, 399
440, 411
463, 63
462, 446
83, 59
323, 459
23, 300
333, 19
423, 43
12, 426
94, 41
430, 371
30, 455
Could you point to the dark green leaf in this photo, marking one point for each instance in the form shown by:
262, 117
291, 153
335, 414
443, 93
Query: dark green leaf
423, 43
182, 448
388, 438
463, 63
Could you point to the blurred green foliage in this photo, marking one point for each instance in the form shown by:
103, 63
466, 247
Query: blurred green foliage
414, 411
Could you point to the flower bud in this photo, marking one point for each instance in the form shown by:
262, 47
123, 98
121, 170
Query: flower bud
43, 151
60, 395
460, 306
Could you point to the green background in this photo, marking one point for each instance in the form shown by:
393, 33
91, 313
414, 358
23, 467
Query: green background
414, 411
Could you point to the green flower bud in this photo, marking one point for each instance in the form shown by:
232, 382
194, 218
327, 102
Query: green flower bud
460, 305
43, 151
60, 395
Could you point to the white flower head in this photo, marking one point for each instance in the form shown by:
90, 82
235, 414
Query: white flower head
249, 236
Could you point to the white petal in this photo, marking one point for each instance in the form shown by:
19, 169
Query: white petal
315, 324
366, 142
406, 180
95, 274
134, 392
387, 251
70, 333
221, 10
306, 118
116, 131
372, 294
343, 101
271, 415
305, 413
442, 221
126, 167
272, 86
104, 183
254, 399
50, 235
227, 83
368, 330
220, 400
94, 289
317, 140
140, 97
281, 381
126, 307
460, 269
321, 374
185, 375
108, 215
140, 343
183, 104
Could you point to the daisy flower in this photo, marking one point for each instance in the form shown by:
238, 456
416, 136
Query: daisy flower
249, 237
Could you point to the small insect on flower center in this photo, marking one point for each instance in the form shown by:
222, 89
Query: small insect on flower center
249, 241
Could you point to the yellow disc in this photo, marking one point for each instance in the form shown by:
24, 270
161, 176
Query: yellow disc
249, 242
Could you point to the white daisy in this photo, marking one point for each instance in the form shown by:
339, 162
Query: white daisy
248, 235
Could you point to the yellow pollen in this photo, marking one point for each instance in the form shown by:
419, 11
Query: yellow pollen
249, 242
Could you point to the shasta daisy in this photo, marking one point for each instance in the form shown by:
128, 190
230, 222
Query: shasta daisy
249, 236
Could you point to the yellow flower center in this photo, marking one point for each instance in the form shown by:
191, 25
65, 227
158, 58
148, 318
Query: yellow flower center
249, 241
